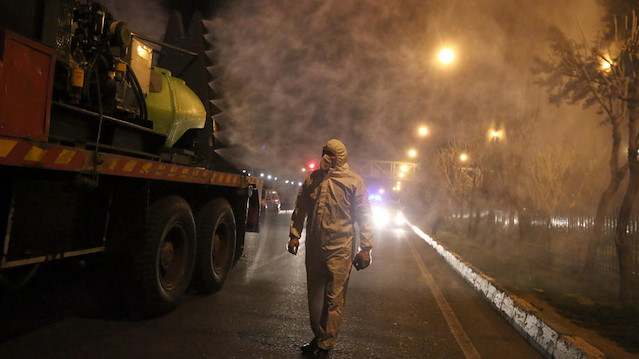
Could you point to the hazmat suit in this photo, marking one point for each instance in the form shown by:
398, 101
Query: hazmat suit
332, 199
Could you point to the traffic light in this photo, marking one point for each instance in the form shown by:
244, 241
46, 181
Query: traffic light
311, 166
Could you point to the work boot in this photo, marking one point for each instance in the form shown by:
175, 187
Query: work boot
322, 354
310, 347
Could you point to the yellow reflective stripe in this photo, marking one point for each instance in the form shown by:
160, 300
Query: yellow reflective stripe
65, 157
6, 146
146, 168
129, 166
113, 163
35, 154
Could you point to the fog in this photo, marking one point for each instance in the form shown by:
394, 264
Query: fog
297, 73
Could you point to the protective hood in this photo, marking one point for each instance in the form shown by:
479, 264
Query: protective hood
337, 147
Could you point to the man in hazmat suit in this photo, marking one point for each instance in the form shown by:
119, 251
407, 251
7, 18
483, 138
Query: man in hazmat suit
333, 198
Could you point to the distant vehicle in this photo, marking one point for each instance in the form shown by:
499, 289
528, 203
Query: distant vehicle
271, 201
387, 214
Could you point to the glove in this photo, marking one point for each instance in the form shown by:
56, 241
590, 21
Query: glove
362, 259
293, 244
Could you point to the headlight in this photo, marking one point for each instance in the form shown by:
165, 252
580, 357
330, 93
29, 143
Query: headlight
399, 218
380, 216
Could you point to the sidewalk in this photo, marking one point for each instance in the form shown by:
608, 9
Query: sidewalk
551, 334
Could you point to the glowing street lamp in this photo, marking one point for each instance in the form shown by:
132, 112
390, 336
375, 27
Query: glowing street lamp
422, 131
606, 63
412, 153
463, 157
446, 56
495, 134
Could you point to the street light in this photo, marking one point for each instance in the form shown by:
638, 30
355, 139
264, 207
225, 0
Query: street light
446, 56
606, 63
423, 131
463, 157
412, 153
495, 135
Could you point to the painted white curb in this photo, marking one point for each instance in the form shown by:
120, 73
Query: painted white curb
519, 313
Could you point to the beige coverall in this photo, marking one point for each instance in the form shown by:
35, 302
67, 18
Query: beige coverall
333, 200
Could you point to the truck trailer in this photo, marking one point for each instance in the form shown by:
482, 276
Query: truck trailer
105, 149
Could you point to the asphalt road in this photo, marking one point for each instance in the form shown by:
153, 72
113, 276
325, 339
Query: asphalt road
408, 304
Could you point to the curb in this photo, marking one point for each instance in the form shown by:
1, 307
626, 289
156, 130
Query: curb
519, 313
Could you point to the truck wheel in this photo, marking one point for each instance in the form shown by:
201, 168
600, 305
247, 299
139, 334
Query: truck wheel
164, 266
216, 244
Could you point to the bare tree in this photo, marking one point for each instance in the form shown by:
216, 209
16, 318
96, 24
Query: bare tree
604, 76
454, 174
502, 160
547, 175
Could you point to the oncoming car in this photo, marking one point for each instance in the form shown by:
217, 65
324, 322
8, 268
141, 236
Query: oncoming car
387, 215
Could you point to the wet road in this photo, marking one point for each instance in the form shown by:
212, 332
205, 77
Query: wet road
408, 304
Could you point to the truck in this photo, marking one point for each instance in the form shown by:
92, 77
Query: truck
105, 150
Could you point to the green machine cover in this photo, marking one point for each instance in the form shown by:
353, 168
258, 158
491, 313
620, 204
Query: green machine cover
173, 107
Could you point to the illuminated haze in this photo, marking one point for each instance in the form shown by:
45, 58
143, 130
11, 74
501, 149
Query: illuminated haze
301, 72
297, 73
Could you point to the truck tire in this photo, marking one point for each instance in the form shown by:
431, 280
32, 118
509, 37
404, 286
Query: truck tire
163, 268
216, 245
